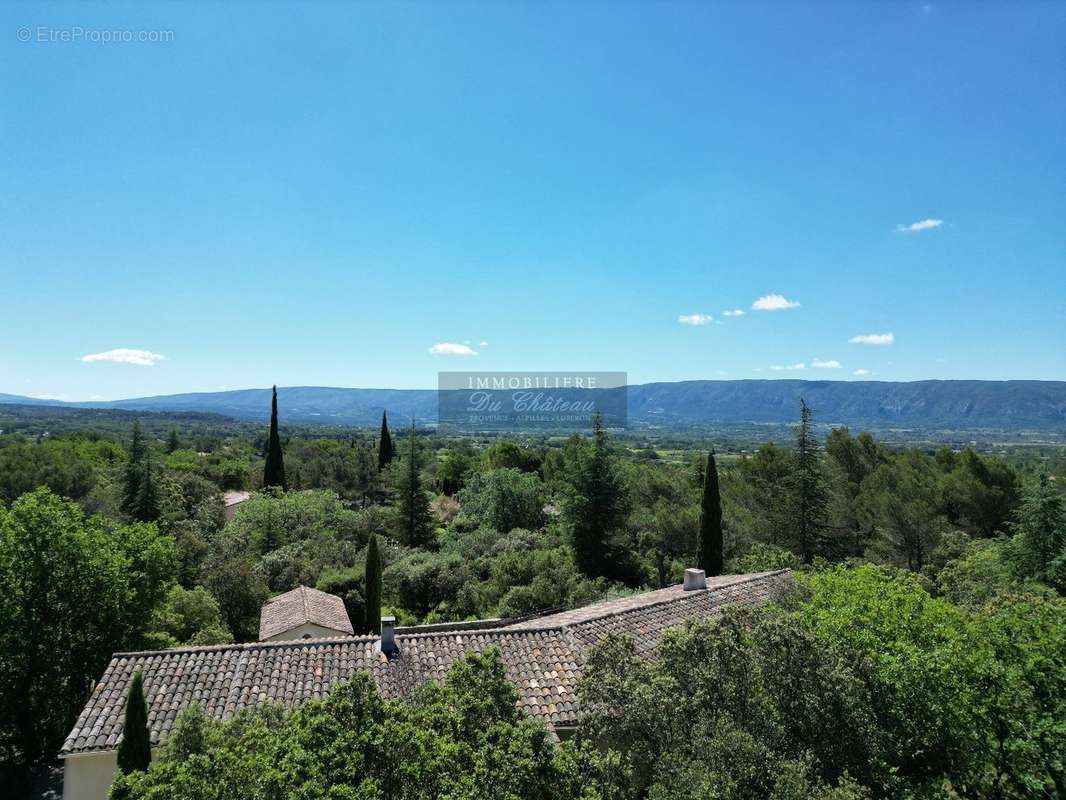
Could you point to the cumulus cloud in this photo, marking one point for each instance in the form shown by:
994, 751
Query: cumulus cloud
788, 367
861, 372
695, 319
451, 349
124, 355
736, 312
830, 364
773, 302
874, 338
483, 343
920, 225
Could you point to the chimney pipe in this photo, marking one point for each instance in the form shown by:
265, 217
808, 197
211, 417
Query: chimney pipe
695, 579
387, 644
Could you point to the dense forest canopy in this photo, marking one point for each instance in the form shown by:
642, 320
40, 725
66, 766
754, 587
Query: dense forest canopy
925, 641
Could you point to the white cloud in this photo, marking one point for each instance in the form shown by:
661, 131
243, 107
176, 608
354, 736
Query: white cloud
920, 225
874, 338
830, 364
483, 343
861, 372
773, 302
695, 319
788, 367
124, 355
736, 312
451, 349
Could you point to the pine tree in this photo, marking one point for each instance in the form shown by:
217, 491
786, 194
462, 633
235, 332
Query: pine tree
173, 442
595, 506
385, 451
1039, 544
274, 468
373, 587
146, 505
414, 511
131, 488
810, 497
135, 751
709, 539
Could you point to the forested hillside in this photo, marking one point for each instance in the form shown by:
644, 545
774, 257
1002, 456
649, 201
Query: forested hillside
963, 405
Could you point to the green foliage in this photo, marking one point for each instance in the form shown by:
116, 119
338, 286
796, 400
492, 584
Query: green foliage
709, 544
66, 466
808, 493
72, 591
372, 614
131, 491
135, 749
188, 617
463, 738
766, 558
1039, 550
503, 499
274, 466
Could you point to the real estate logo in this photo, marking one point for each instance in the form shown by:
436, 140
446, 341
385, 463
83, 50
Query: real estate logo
511, 401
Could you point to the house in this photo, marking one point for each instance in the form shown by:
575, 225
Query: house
542, 656
303, 613
231, 501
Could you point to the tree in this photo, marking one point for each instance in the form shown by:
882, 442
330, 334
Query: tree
414, 515
504, 499
72, 592
709, 544
173, 442
373, 587
135, 749
274, 468
595, 506
809, 495
146, 505
1039, 545
385, 451
131, 486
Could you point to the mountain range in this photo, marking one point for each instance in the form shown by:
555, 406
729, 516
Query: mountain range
965, 404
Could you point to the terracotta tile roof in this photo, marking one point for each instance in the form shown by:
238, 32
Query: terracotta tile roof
301, 606
543, 658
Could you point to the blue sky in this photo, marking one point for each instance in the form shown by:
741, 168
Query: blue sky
315, 194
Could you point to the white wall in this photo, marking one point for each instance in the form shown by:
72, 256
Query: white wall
308, 631
88, 776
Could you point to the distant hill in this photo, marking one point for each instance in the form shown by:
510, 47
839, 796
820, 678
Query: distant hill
950, 404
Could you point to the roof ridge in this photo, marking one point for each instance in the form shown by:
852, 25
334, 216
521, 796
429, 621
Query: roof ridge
303, 599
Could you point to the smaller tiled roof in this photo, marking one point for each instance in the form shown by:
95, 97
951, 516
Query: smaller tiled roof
234, 498
301, 606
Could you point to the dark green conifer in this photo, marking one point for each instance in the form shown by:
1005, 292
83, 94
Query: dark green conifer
385, 451
810, 495
709, 539
274, 468
146, 506
373, 587
135, 749
173, 442
131, 485
415, 517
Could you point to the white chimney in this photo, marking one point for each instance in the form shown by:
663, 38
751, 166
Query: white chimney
387, 645
694, 579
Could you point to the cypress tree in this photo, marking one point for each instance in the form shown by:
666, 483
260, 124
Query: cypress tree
810, 497
373, 587
135, 749
173, 442
146, 505
274, 468
131, 488
709, 539
415, 516
385, 451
